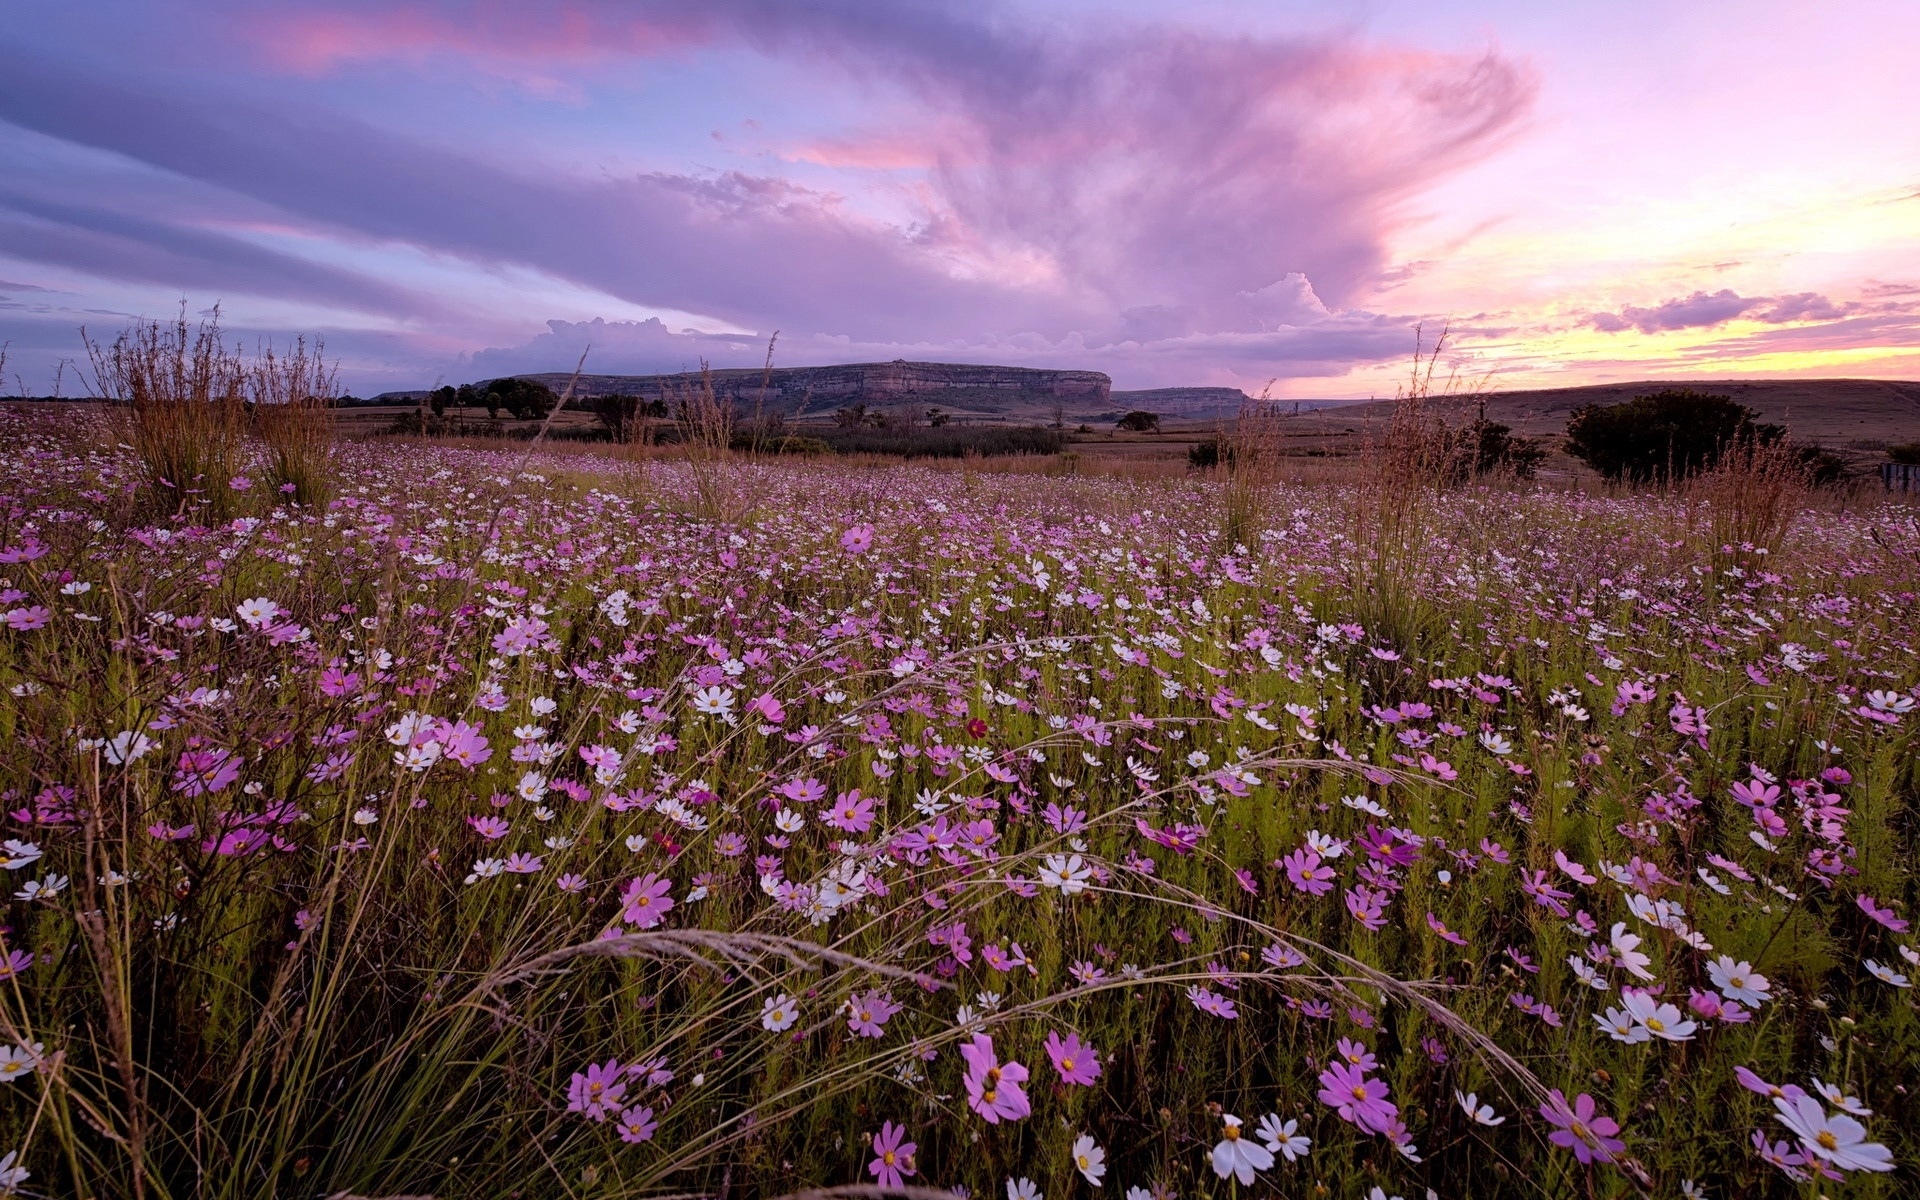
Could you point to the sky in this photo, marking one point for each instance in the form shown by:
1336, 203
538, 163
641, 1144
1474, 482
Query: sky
1266, 194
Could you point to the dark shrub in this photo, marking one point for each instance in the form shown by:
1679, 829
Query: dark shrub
1906, 452
1140, 421
526, 399
1664, 436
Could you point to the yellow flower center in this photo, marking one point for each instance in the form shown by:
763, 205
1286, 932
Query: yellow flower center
1233, 1133
1827, 1140
1066, 1064
1655, 1024
989, 1095
1359, 1093
887, 1158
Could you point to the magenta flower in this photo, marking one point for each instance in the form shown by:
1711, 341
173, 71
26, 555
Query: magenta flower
852, 812
893, 1158
1590, 1137
1883, 915
595, 1093
490, 827
1212, 1003
1363, 1101
14, 963
645, 902
868, 1012
636, 1124
1306, 874
993, 1089
23, 620
204, 772
464, 744
857, 540
1076, 1062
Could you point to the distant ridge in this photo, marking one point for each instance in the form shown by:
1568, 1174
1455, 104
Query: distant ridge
1839, 411
819, 390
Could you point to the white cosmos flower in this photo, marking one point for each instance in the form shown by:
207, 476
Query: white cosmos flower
778, 1013
42, 889
1838, 1139
1481, 1113
1661, 1020
1282, 1139
1089, 1159
1739, 981
1238, 1156
1626, 948
1886, 975
126, 746
1620, 1025
258, 611
1068, 872
1023, 1189
16, 1061
1840, 1100
713, 701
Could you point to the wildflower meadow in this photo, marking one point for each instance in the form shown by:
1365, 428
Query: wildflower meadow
509, 823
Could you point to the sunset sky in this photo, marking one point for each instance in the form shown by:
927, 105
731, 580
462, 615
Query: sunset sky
1204, 192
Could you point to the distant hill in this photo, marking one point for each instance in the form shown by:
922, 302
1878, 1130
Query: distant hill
1838, 412
817, 391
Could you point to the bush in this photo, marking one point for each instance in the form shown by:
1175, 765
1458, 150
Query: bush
1664, 436
1490, 448
526, 399
1906, 452
1140, 421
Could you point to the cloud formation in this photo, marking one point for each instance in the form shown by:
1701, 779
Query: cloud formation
1095, 188
1704, 310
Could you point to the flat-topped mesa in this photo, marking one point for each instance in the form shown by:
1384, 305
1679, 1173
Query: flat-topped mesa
819, 391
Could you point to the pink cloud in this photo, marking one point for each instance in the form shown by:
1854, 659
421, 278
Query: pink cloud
315, 41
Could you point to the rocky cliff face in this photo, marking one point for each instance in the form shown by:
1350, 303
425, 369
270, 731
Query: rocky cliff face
818, 391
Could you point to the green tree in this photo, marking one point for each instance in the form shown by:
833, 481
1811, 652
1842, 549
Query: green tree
1664, 436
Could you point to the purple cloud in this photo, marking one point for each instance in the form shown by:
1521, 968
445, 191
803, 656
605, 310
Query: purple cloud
1114, 184
1692, 312
1704, 309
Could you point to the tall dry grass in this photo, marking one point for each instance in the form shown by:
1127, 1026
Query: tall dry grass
291, 396
180, 396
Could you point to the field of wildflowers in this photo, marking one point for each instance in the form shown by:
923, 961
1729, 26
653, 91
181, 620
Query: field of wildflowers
494, 824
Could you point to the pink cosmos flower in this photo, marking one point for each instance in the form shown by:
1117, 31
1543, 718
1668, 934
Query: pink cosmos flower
204, 772
852, 812
24, 620
1212, 1003
993, 1088
893, 1158
490, 827
1363, 1101
636, 1124
1076, 1062
596, 1092
1306, 874
645, 902
868, 1012
857, 540
1883, 915
1580, 1130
